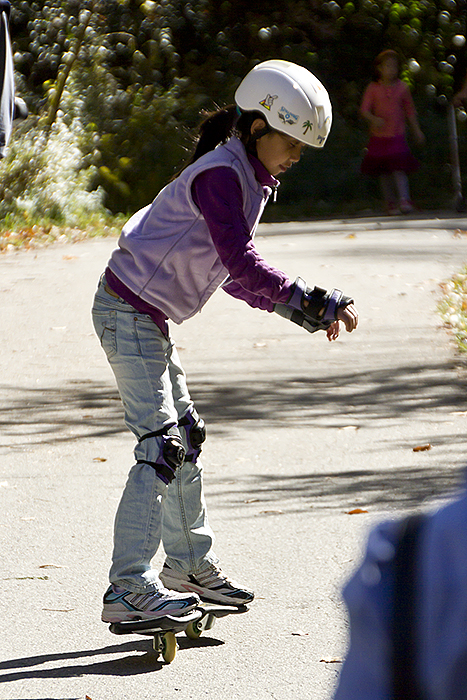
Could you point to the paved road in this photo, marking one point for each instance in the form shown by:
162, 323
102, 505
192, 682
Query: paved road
301, 432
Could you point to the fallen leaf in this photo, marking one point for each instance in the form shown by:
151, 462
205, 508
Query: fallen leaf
272, 512
50, 566
330, 661
99, 459
351, 235
356, 511
422, 448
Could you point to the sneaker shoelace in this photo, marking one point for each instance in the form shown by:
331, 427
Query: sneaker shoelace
143, 601
213, 575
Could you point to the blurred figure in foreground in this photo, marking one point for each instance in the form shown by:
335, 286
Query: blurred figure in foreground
407, 606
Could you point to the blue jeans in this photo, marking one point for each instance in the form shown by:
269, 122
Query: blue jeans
152, 386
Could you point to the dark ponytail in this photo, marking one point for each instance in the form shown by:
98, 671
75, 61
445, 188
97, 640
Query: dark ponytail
217, 127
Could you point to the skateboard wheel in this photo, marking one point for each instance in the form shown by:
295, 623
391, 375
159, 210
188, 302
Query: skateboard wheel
194, 629
169, 647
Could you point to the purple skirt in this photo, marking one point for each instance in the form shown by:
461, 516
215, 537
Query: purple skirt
386, 154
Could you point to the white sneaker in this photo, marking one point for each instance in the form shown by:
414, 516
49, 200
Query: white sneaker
121, 605
212, 585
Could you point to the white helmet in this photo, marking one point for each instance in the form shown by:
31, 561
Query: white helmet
291, 98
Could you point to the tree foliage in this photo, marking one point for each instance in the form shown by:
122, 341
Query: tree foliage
134, 75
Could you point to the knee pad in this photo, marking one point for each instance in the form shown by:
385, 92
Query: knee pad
171, 454
195, 431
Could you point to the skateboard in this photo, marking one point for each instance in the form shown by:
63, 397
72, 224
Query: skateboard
163, 629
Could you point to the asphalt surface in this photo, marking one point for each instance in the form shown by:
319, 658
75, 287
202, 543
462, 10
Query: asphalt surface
301, 432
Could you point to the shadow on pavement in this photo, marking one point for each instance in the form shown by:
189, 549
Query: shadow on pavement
146, 662
361, 396
391, 489
91, 409
48, 415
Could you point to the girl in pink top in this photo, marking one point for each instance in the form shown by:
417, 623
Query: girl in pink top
387, 104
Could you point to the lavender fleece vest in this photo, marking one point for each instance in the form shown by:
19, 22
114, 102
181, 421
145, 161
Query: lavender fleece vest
165, 253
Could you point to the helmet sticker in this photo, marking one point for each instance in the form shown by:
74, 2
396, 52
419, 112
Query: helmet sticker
267, 102
287, 117
307, 126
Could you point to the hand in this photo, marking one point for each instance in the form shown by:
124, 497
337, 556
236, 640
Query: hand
377, 123
348, 316
333, 331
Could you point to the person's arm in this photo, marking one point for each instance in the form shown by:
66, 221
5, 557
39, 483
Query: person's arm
217, 193
366, 110
234, 289
374, 122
